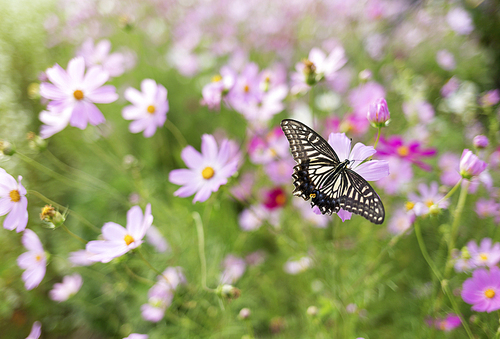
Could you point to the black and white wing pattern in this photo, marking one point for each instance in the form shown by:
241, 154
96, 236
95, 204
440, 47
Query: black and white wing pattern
320, 176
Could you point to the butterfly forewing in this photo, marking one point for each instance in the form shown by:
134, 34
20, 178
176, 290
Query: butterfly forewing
320, 176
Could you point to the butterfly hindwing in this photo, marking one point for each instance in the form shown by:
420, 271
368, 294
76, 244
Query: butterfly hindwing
320, 176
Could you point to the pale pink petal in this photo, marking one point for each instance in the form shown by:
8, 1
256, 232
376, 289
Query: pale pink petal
58, 76
76, 69
31, 241
79, 116
33, 277
5, 205
344, 215
148, 88
26, 260
360, 152
49, 91
94, 115
36, 331
113, 231
139, 125
95, 78
192, 157
208, 147
18, 216
132, 112
180, 176
203, 194
340, 144
134, 220
103, 95
224, 152
150, 130
186, 191
134, 96
373, 170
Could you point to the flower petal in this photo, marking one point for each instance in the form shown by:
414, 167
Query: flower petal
192, 157
95, 78
103, 95
208, 147
373, 170
340, 144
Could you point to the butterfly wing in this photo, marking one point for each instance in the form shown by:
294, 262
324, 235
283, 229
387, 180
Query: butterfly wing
320, 176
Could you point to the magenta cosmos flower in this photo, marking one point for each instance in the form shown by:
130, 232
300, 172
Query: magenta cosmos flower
67, 288
13, 202
149, 109
33, 261
410, 151
207, 171
77, 92
483, 290
471, 165
119, 240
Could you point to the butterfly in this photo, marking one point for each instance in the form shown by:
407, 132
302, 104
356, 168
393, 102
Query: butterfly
320, 176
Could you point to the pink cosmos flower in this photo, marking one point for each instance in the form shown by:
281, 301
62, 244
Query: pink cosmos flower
490, 98
445, 60
207, 170
480, 141
253, 217
81, 258
159, 299
267, 147
471, 165
98, 55
173, 276
410, 151
460, 21
378, 114
483, 290
149, 109
450, 322
36, 330
53, 122
155, 238
70, 286
13, 202
294, 267
420, 110
363, 96
119, 240
488, 208
401, 221
33, 261
243, 190
137, 336
220, 86
234, 267
487, 254
400, 177
428, 199
76, 92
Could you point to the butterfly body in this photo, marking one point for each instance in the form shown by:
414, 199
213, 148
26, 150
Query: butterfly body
328, 182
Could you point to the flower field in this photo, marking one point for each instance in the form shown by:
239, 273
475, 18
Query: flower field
250, 169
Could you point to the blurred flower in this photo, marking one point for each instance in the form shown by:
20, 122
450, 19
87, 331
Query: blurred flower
297, 266
445, 60
280, 171
313, 215
487, 254
119, 240
51, 216
137, 336
378, 114
98, 55
255, 258
488, 208
411, 151
173, 276
81, 258
234, 267
462, 259
149, 109
363, 96
460, 21
450, 322
70, 286
244, 313
207, 171
155, 238
354, 125
33, 261
429, 201
218, 88
267, 147
258, 113
243, 190
471, 165
13, 202
159, 298
490, 98
228, 292
274, 198
483, 290
246, 88
36, 330
480, 141
253, 217
419, 110
53, 122
450, 87
75, 92
401, 221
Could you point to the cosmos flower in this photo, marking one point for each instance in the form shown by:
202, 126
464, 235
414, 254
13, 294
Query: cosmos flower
411, 151
480, 141
378, 115
401, 221
264, 148
486, 254
68, 287
450, 322
155, 238
76, 92
218, 88
313, 215
13, 202
137, 336
36, 330
445, 60
98, 55
490, 98
471, 165
149, 107
460, 21
400, 177
483, 290
294, 267
119, 240
361, 97
429, 200
253, 217
33, 261
159, 299
207, 171
234, 267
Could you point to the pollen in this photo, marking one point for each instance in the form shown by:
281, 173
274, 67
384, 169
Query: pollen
216, 78
151, 109
39, 257
14, 196
483, 256
128, 239
78, 94
47, 211
429, 203
409, 205
246, 88
312, 195
207, 172
403, 151
489, 293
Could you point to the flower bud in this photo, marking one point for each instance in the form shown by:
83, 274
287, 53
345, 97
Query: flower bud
50, 215
312, 311
228, 292
36, 142
309, 72
244, 313
7, 148
378, 114
471, 165
480, 141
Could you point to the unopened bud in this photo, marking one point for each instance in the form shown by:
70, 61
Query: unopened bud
6, 148
378, 114
51, 215
244, 313
228, 292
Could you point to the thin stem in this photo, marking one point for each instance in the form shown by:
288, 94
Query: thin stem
176, 132
451, 192
60, 207
149, 265
73, 234
444, 283
201, 250
454, 226
378, 137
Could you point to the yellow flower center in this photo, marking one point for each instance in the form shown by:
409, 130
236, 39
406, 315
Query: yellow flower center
409, 205
273, 152
403, 151
128, 239
47, 211
483, 256
39, 257
280, 199
246, 88
207, 172
78, 94
429, 203
14, 196
489, 293
216, 78
151, 109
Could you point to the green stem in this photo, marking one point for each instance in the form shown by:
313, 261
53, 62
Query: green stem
201, 250
444, 283
454, 226
149, 265
176, 133
376, 140
451, 192
67, 210
72, 234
